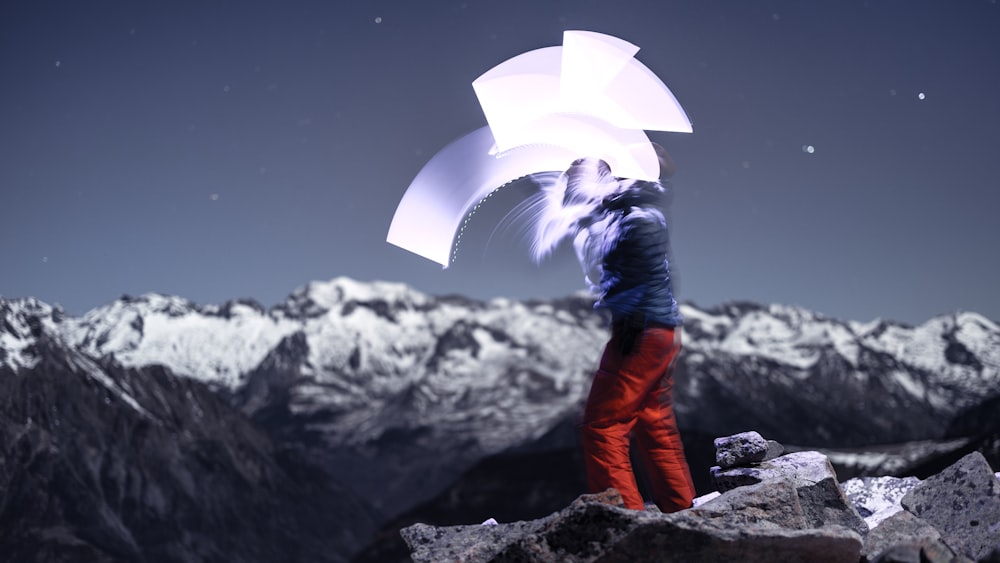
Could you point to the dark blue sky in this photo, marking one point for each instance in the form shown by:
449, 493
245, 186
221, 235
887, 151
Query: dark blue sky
228, 149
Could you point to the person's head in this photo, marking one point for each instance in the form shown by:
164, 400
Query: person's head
571, 202
586, 182
582, 195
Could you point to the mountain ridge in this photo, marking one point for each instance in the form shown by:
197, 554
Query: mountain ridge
399, 392
105, 463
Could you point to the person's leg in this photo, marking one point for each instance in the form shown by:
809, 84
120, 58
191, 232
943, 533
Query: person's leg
621, 386
660, 446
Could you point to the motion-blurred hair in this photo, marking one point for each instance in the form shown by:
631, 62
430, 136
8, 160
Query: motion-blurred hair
567, 202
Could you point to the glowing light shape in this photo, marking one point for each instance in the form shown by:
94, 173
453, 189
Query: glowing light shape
453, 182
545, 108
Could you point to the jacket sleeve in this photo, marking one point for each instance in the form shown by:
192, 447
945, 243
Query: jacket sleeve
588, 254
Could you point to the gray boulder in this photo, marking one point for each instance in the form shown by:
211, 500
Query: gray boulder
789, 508
963, 503
993, 557
757, 523
902, 528
748, 525
798, 466
745, 448
740, 449
774, 449
471, 544
823, 503
688, 538
773, 502
582, 532
920, 551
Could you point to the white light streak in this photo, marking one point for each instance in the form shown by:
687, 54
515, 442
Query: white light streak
545, 108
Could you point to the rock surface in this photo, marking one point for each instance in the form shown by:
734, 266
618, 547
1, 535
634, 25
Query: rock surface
900, 528
740, 449
589, 531
687, 539
789, 515
963, 503
775, 502
787, 509
815, 481
920, 551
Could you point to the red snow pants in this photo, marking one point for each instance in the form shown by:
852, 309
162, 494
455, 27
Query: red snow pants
632, 396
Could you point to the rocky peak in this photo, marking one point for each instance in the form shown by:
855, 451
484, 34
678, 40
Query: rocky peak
789, 508
106, 463
22, 322
317, 298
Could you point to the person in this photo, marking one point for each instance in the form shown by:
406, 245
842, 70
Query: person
621, 239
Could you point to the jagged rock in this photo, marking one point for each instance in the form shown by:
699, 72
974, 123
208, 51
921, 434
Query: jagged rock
599, 532
637, 537
800, 466
686, 538
775, 502
762, 522
963, 503
786, 509
823, 503
920, 551
740, 449
582, 532
774, 449
469, 544
993, 557
877, 498
900, 528
610, 497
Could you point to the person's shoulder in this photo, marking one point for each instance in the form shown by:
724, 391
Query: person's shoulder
643, 215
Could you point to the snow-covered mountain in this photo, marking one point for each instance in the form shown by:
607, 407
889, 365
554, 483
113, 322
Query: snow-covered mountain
397, 391
104, 463
807, 379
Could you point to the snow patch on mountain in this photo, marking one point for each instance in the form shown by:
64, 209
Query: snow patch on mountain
22, 321
87, 366
214, 344
962, 350
980, 336
363, 328
458, 362
785, 334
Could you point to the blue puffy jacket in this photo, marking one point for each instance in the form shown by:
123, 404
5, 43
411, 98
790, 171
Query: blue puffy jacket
625, 253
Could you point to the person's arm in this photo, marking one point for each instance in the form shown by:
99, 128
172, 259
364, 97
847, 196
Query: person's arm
589, 258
